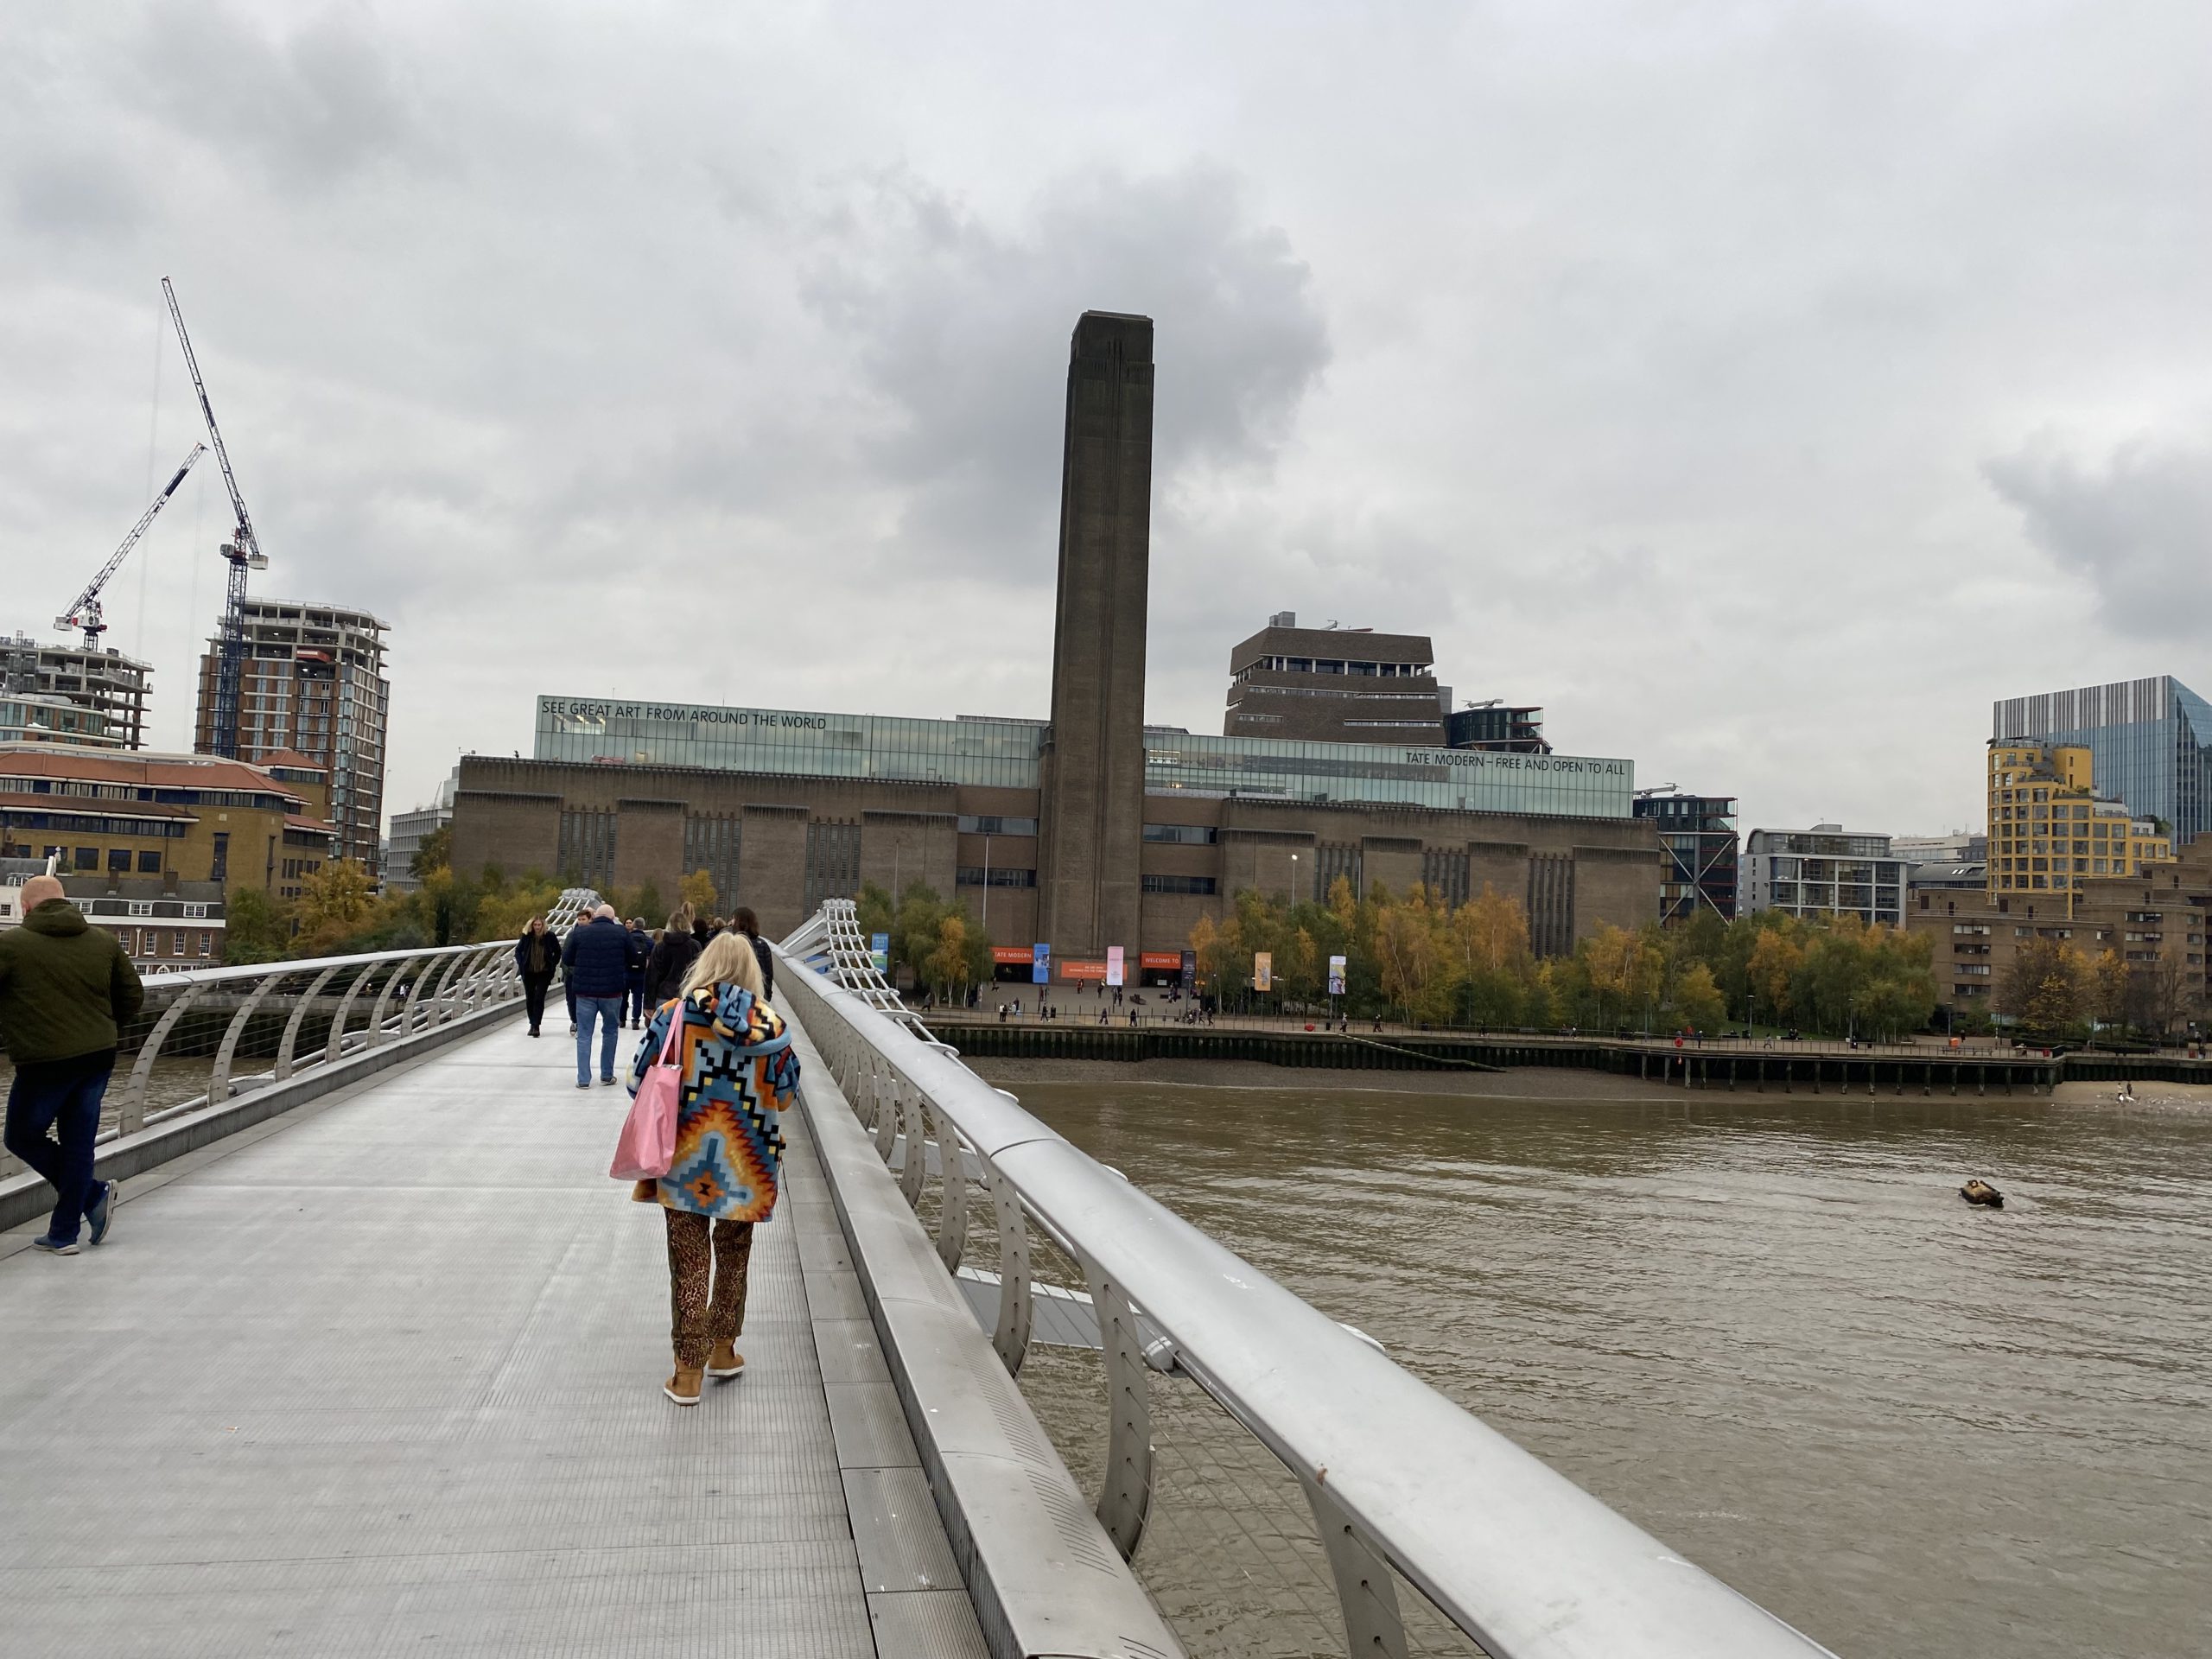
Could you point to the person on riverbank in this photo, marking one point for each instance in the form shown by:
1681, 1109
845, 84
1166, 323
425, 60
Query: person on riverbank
65, 988
738, 1070
672, 955
596, 958
641, 948
537, 956
746, 923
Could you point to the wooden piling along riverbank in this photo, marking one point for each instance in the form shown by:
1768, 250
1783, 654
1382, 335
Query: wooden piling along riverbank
1756, 1068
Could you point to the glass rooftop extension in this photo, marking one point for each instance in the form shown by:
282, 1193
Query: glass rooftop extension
1004, 753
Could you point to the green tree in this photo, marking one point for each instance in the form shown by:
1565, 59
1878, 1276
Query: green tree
335, 905
253, 928
435, 851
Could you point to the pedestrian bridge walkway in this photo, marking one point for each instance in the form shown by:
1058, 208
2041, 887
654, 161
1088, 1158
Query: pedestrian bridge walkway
383, 1375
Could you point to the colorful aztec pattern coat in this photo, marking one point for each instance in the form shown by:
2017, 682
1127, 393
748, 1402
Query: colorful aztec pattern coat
739, 1072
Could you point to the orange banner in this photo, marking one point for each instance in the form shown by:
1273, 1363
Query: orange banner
1095, 972
1011, 955
1160, 959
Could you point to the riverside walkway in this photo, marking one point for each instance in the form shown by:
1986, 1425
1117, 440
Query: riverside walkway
382, 1375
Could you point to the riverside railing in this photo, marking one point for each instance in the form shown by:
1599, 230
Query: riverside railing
298, 1015
1398, 1481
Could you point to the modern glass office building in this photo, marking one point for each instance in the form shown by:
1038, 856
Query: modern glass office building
1005, 754
2150, 741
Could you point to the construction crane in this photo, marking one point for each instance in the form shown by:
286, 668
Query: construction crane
243, 552
84, 611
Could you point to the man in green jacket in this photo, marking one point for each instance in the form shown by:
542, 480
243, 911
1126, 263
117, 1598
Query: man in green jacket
64, 984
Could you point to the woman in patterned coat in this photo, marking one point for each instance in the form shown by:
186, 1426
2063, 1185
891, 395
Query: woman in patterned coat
739, 1072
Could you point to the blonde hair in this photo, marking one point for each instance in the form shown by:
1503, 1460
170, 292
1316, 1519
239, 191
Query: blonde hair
728, 960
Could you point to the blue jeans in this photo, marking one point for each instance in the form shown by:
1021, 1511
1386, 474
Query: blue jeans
63, 1097
608, 1010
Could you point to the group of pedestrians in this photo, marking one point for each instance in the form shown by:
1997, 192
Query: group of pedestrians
717, 977
67, 988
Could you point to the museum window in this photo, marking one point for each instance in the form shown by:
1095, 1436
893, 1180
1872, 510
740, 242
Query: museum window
1188, 834
1198, 884
999, 876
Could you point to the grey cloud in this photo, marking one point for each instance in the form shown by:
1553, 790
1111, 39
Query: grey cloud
960, 326
309, 105
75, 192
2136, 527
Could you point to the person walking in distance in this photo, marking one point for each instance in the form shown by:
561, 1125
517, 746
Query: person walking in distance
596, 959
673, 954
641, 947
749, 926
64, 988
537, 956
739, 1072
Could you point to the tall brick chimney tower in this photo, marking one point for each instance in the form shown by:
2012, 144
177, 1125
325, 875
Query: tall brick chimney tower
1092, 805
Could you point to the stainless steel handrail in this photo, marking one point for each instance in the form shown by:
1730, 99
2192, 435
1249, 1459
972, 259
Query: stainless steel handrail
1515, 1554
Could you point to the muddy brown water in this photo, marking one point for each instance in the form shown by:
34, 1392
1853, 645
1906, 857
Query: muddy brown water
1767, 1329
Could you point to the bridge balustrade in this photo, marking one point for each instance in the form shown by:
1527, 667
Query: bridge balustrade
1228, 1397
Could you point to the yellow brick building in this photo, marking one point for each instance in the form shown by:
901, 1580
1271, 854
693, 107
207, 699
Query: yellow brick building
181, 817
2048, 831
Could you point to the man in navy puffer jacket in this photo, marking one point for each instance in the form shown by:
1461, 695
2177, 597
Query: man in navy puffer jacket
596, 959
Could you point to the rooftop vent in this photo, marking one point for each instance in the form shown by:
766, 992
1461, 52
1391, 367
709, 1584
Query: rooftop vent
1283, 619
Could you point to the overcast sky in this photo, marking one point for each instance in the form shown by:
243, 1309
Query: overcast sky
1763, 388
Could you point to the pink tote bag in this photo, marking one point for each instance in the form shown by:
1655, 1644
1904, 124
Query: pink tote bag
648, 1144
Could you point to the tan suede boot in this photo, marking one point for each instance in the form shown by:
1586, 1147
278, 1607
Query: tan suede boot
683, 1388
725, 1361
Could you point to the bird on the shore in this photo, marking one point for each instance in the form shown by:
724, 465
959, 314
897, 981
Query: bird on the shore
1978, 1191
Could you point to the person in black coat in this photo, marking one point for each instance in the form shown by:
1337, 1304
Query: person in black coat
538, 953
673, 953
746, 923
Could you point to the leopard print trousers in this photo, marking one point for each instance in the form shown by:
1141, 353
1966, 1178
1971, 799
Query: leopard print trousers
700, 1317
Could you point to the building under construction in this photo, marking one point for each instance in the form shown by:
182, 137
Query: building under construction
106, 684
312, 684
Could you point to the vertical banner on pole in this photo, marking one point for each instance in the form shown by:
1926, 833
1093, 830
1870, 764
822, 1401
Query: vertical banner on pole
1190, 974
1336, 975
1263, 970
1040, 964
1113, 964
878, 948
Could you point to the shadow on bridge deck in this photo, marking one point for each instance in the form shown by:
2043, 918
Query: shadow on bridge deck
383, 1374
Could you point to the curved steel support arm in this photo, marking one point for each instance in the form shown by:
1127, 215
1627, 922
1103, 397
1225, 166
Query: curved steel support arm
299, 1016
1016, 1303
916, 1166
334, 1043
1365, 1590
219, 1080
401, 974
134, 1096
952, 1191
1126, 1500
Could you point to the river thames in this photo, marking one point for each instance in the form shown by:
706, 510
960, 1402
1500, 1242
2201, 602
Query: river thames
1767, 1329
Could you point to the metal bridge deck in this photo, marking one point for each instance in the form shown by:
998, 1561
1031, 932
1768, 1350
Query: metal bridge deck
382, 1376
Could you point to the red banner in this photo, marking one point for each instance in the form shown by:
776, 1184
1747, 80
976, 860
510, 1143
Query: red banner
1012, 954
1092, 972
1159, 959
